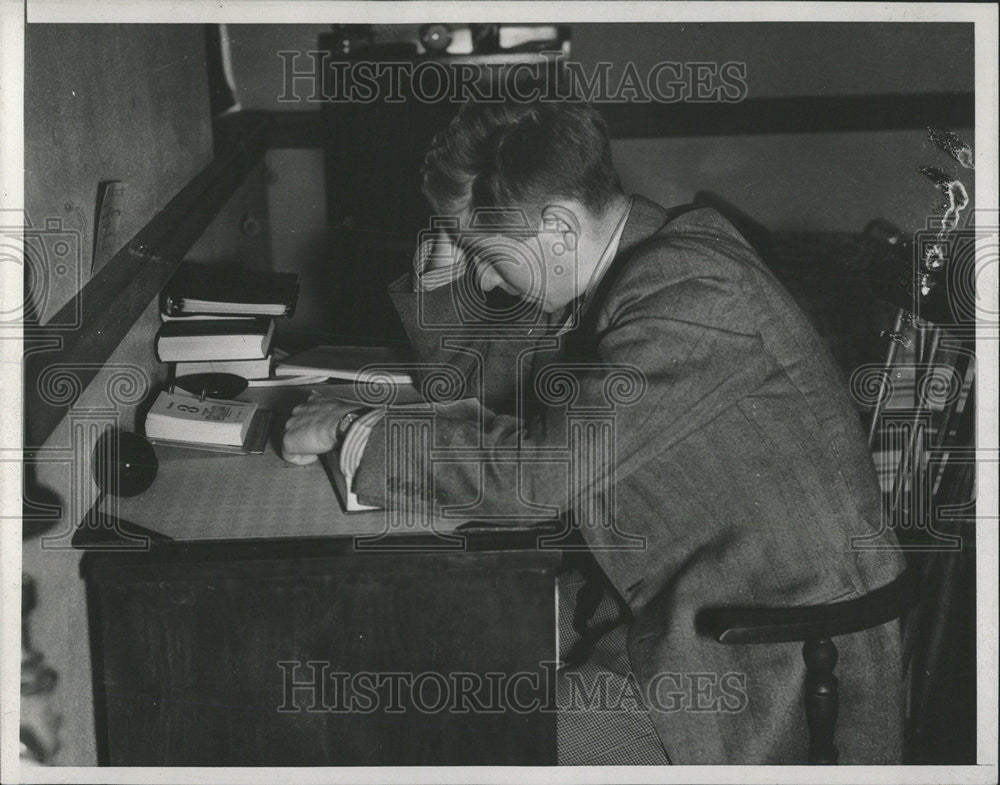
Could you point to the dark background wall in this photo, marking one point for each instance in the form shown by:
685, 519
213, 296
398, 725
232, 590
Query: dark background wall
822, 181
782, 58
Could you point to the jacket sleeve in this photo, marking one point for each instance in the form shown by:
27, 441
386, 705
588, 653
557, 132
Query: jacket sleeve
670, 359
440, 333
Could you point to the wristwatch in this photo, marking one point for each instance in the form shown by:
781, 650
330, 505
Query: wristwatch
345, 423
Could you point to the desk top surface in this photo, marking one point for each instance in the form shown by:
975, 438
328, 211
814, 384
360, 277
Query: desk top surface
202, 496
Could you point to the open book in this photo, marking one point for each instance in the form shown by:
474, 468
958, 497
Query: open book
405, 394
348, 499
351, 363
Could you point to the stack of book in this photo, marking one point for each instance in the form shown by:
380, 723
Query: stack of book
219, 319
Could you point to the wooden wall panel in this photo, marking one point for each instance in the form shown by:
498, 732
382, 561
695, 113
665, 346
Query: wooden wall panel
109, 102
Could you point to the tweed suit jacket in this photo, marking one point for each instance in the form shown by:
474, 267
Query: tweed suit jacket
740, 477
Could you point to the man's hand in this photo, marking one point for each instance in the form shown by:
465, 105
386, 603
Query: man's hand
312, 428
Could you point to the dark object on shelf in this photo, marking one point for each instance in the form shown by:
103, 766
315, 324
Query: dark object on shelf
435, 37
225, 386
123, 464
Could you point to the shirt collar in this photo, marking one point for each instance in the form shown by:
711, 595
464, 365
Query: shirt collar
610, 252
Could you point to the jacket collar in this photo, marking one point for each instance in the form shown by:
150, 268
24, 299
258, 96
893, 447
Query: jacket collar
644, 220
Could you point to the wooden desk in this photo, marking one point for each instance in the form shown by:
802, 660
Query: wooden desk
197, 639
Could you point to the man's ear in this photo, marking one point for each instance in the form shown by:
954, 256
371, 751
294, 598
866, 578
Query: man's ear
561, 218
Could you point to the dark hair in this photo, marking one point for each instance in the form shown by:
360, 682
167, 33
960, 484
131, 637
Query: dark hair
520, 155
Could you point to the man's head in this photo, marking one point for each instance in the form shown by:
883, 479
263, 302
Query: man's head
546, 165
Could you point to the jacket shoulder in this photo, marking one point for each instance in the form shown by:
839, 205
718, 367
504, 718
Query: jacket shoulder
698, 242
696, 268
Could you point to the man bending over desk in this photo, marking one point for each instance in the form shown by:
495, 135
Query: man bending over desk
735, 473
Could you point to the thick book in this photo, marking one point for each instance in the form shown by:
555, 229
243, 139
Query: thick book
183, 418
197, 288
351, 363
254, 443
248, 369
222, 339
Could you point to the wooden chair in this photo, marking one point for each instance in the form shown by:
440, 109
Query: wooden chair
932, 564
815, 626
